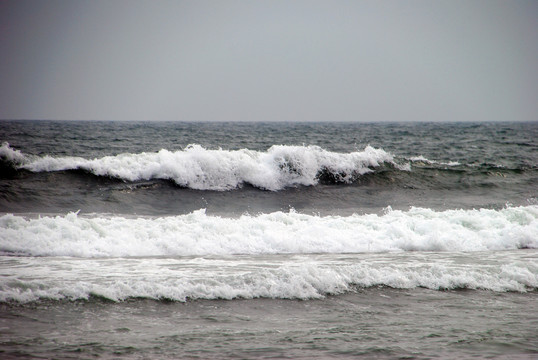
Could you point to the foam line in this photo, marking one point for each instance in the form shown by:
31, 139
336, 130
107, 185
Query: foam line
418, 229
278, 276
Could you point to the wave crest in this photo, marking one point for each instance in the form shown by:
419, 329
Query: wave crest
198, 168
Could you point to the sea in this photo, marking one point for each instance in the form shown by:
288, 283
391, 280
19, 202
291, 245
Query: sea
211, 240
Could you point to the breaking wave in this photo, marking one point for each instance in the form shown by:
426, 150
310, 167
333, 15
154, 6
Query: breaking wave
198, 234
275, 255
202, 169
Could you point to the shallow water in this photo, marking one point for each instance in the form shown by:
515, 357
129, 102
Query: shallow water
368, 323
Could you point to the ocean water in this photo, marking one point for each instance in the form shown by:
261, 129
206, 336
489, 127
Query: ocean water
268, 240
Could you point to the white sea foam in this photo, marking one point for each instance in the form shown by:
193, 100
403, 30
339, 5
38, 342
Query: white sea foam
422, 159
12, 155
278, 276
418, 229
198, 168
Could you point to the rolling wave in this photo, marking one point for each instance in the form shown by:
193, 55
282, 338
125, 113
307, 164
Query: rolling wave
198, 168
280, 167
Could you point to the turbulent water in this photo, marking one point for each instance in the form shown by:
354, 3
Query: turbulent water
258, 240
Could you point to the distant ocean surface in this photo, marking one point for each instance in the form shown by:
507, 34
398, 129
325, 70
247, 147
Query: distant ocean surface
268, 240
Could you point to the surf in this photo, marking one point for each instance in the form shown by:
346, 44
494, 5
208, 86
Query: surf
198, 234
198, 168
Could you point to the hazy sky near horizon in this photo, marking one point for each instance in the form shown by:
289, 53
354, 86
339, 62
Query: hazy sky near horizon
470, 60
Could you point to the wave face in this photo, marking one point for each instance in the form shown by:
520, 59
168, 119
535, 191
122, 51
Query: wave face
198, 168
276, 233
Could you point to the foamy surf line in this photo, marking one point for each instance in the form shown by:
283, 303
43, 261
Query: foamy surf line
199, 234
271, 276
198, 168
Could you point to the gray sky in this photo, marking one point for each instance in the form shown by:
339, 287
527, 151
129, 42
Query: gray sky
269, 60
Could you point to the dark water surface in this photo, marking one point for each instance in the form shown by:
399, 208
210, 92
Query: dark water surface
373, 323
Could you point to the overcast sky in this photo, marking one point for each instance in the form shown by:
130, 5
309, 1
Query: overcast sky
269, 60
